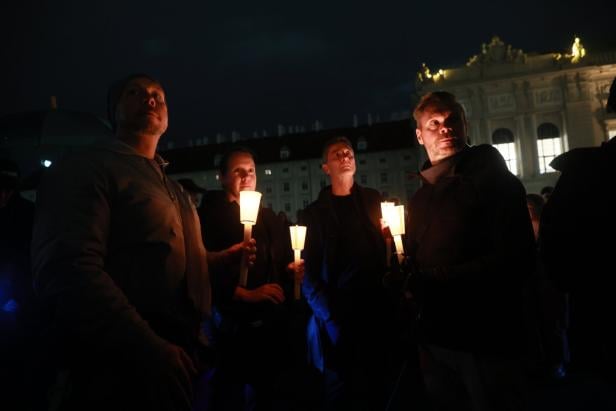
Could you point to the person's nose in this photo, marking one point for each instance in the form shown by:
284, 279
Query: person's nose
445, 129
151, 101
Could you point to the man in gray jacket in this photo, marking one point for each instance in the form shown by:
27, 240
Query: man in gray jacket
119, 262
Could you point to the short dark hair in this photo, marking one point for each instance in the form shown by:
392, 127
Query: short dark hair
224, 161
114, 93
439, 101
331, 142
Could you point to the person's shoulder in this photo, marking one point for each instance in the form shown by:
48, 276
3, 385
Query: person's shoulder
369, 194
480, 159
487, 152
268, 214
577, 159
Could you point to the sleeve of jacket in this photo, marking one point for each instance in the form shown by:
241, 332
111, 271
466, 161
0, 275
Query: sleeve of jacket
314, 286
69, 247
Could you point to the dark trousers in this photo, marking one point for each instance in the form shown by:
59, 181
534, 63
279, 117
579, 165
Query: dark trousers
458, 380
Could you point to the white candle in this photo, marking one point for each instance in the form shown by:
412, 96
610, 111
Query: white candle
298, 238
249, 210
394, 218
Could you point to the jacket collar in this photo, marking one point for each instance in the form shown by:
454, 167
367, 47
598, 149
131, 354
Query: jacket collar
446, 168
118, 146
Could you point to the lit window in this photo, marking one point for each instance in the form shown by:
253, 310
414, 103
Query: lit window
504, 142
268, 172
549, 145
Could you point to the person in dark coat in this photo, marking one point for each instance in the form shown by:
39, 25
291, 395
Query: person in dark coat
17, 311
251, 324
577, 227
120, 266
345, 266
471, 244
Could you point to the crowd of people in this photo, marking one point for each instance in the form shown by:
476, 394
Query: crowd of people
121, 287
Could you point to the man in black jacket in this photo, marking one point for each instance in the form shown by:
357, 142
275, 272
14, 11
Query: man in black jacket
471, 243
120, 266
250, 324
345, 265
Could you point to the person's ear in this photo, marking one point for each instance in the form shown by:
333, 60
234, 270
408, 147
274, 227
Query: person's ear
325, 168
418, 134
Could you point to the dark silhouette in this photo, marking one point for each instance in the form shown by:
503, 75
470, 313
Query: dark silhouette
550, 308
577, 230
18, 326
471, 245
348, 333
120, 265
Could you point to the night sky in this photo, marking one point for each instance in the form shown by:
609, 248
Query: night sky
249, 66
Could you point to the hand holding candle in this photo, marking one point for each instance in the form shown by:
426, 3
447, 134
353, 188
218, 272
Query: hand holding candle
249, 209
298, 237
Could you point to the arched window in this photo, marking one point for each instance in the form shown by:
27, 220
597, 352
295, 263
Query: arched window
504, 141
549, 145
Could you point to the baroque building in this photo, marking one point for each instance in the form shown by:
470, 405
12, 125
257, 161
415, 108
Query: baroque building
532, 107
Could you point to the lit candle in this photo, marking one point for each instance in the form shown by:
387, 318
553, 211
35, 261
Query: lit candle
394, 217
249, 209
298, 237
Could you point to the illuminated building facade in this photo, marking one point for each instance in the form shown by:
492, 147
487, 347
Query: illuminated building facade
289, 168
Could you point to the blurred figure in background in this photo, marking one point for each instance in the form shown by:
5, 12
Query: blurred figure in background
17, 312
576, 242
